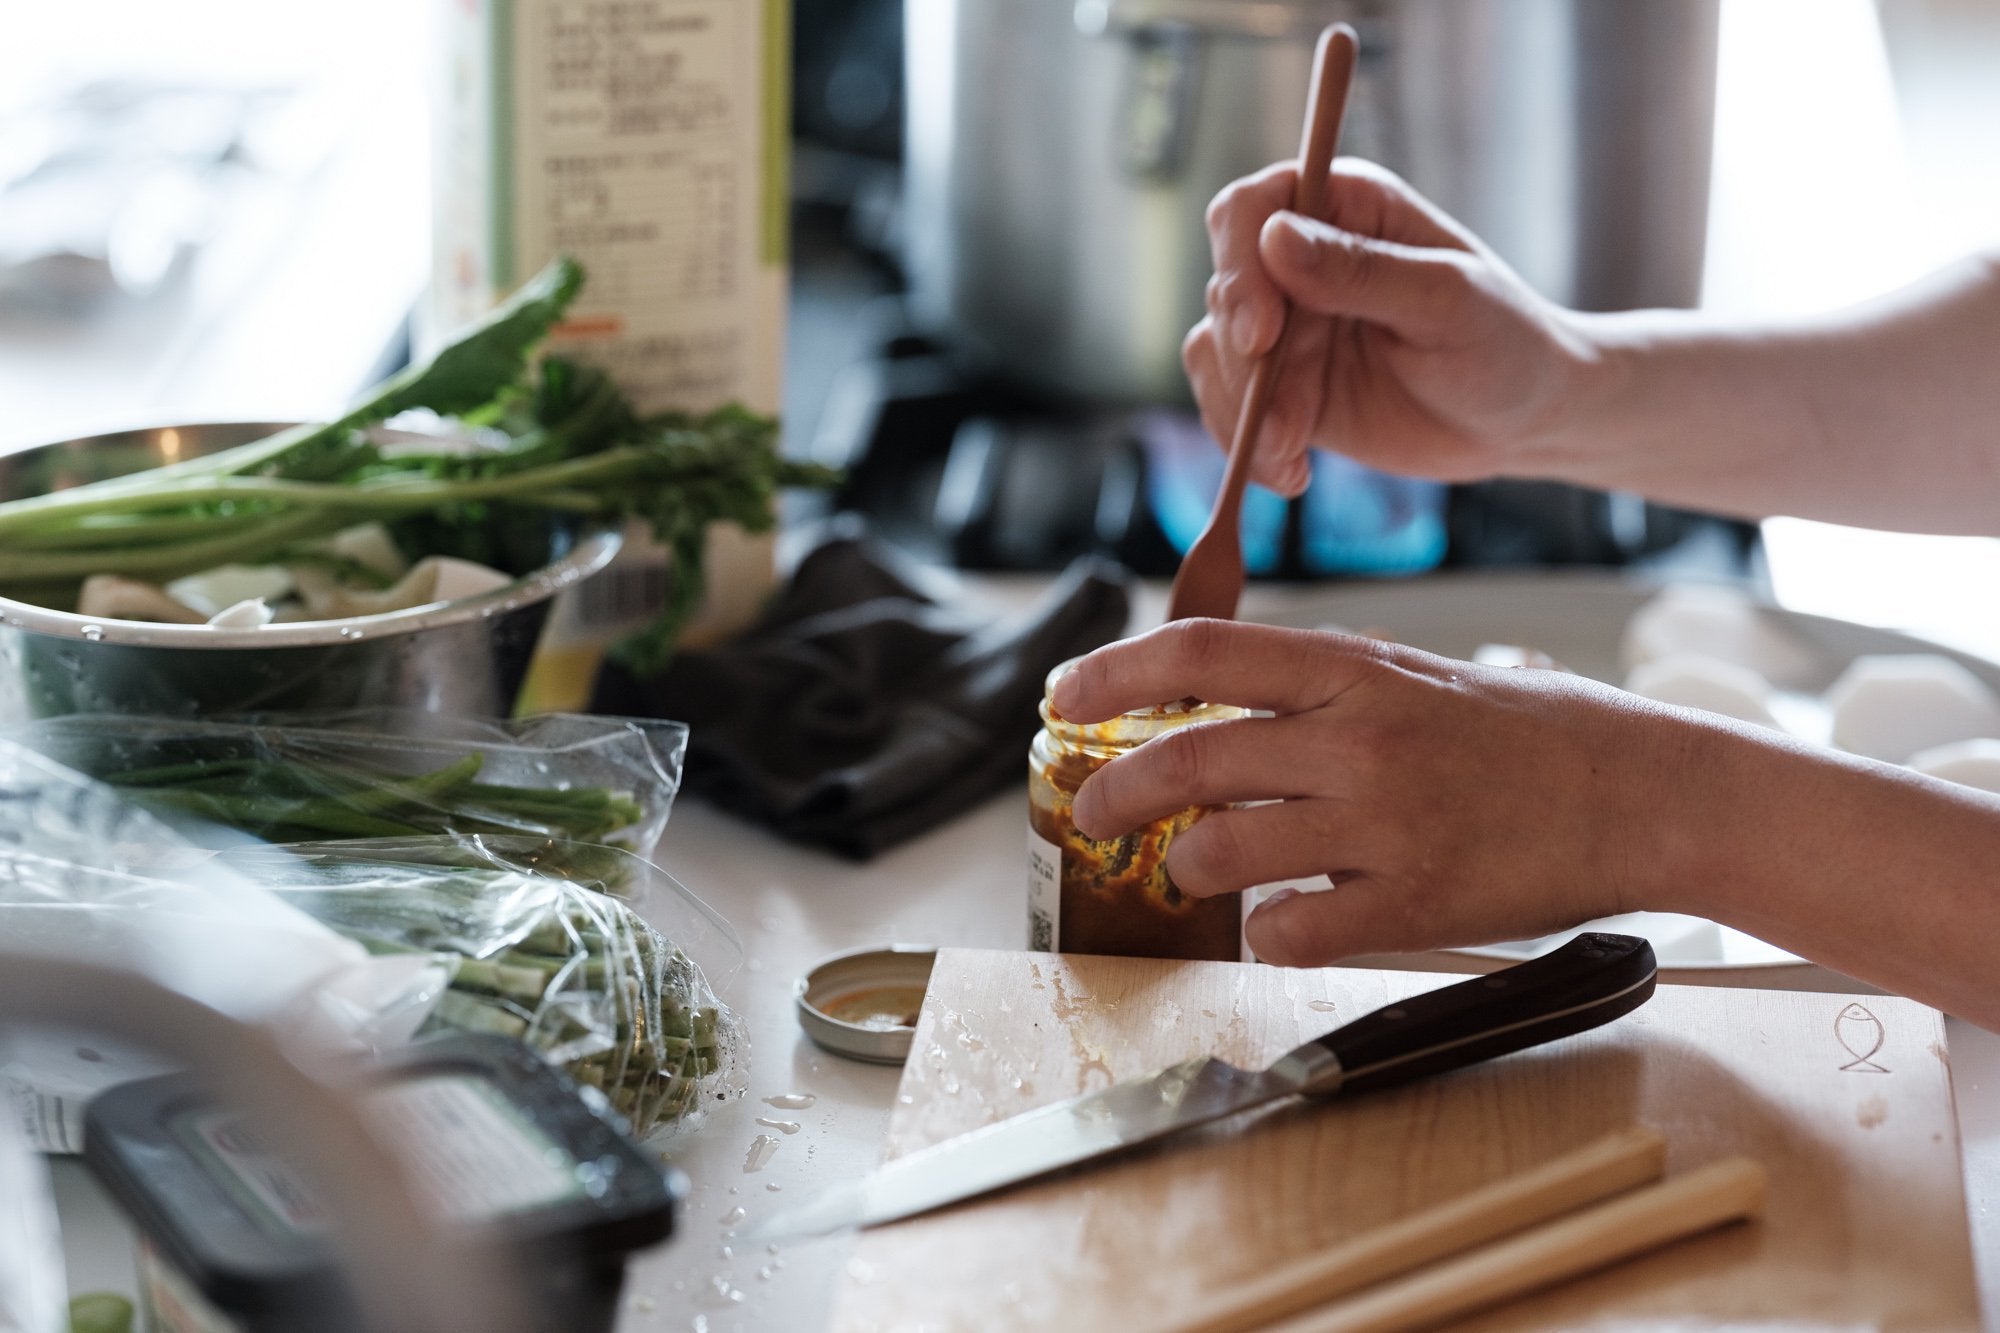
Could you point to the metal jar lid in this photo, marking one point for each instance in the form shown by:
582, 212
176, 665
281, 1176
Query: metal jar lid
863, 1004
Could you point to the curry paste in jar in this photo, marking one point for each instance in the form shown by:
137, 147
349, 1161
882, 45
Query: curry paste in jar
1114, 896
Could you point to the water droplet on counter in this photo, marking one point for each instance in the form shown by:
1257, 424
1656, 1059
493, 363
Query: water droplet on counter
699, 1324
764, 1273
719, 1292
1321, 1006
733, 1216
863, 1272
782, 1126
773, 1186
771, 1248
791, 1101
92, 632
726, 1252
760, 1152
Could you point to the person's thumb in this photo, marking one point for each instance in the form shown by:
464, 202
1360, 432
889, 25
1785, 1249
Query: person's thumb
1294, 929
1411, 290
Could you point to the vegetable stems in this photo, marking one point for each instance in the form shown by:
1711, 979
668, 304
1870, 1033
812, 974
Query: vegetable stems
575, 448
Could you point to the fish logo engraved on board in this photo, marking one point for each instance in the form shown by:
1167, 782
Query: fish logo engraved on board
1860, 1034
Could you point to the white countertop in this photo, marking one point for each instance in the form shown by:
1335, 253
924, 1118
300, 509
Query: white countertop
958, 886
793, 906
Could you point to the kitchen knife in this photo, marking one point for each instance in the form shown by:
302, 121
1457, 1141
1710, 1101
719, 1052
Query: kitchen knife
1589, 981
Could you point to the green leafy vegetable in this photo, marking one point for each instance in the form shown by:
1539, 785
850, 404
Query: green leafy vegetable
100, 1312
577, 975
295, 801
575, 451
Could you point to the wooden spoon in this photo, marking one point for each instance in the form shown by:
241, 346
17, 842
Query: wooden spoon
1210, 578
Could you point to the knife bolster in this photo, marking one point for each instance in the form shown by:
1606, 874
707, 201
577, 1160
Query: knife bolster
1315, 1070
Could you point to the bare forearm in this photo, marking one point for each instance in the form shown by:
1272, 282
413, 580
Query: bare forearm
1885, 415
1868, 869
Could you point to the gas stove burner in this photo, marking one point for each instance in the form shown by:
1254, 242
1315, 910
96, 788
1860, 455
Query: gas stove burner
958, 466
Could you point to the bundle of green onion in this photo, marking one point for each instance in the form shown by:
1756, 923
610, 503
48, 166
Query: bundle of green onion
293, 800
574, 973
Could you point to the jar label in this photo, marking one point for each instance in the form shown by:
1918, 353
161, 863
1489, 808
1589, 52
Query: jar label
1044, 894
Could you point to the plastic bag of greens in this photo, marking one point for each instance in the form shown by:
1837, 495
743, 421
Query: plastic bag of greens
620, 1000
358, 944
86, 876
384, 773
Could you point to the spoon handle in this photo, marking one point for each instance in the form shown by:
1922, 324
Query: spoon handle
1210, 578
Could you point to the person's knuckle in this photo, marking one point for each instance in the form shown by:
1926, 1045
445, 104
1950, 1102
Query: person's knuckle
1449, 282
1301, 936
1366, 655
1208, 857
1369, 745
1360, 263
1088, 675
1223, 206
1183, 760
1199, 645
1193, 349
1370, 171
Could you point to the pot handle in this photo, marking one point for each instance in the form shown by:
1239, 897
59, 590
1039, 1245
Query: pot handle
1268, 20
1157, 109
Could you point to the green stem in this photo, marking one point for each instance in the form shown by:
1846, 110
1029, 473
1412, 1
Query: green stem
394, 495
169, 562
93, 532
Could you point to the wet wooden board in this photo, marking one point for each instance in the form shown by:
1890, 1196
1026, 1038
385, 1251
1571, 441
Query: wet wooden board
1846, 1099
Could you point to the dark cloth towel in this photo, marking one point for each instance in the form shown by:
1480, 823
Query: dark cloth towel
859, 711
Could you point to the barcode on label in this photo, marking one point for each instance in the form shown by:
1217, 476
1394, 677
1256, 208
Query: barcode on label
623, 593
49, 1124
1044, 893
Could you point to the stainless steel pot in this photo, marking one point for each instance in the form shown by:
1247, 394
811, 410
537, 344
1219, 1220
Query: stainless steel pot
1060, 154
467, 657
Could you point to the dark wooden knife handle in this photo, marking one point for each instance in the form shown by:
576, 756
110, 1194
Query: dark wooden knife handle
1590, 980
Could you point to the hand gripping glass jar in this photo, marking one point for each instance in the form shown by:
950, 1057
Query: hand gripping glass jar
1114, 896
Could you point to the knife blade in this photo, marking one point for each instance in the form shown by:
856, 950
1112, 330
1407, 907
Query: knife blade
1592, 979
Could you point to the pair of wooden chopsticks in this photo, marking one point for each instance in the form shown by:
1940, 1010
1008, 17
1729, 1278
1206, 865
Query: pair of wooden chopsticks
1603, 1203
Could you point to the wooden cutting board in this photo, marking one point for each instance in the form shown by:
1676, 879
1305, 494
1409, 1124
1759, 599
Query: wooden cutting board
1846, 1099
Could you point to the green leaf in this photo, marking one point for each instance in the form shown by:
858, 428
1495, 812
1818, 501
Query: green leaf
100, 1312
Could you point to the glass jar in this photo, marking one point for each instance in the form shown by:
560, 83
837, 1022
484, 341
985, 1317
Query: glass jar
1114, 896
